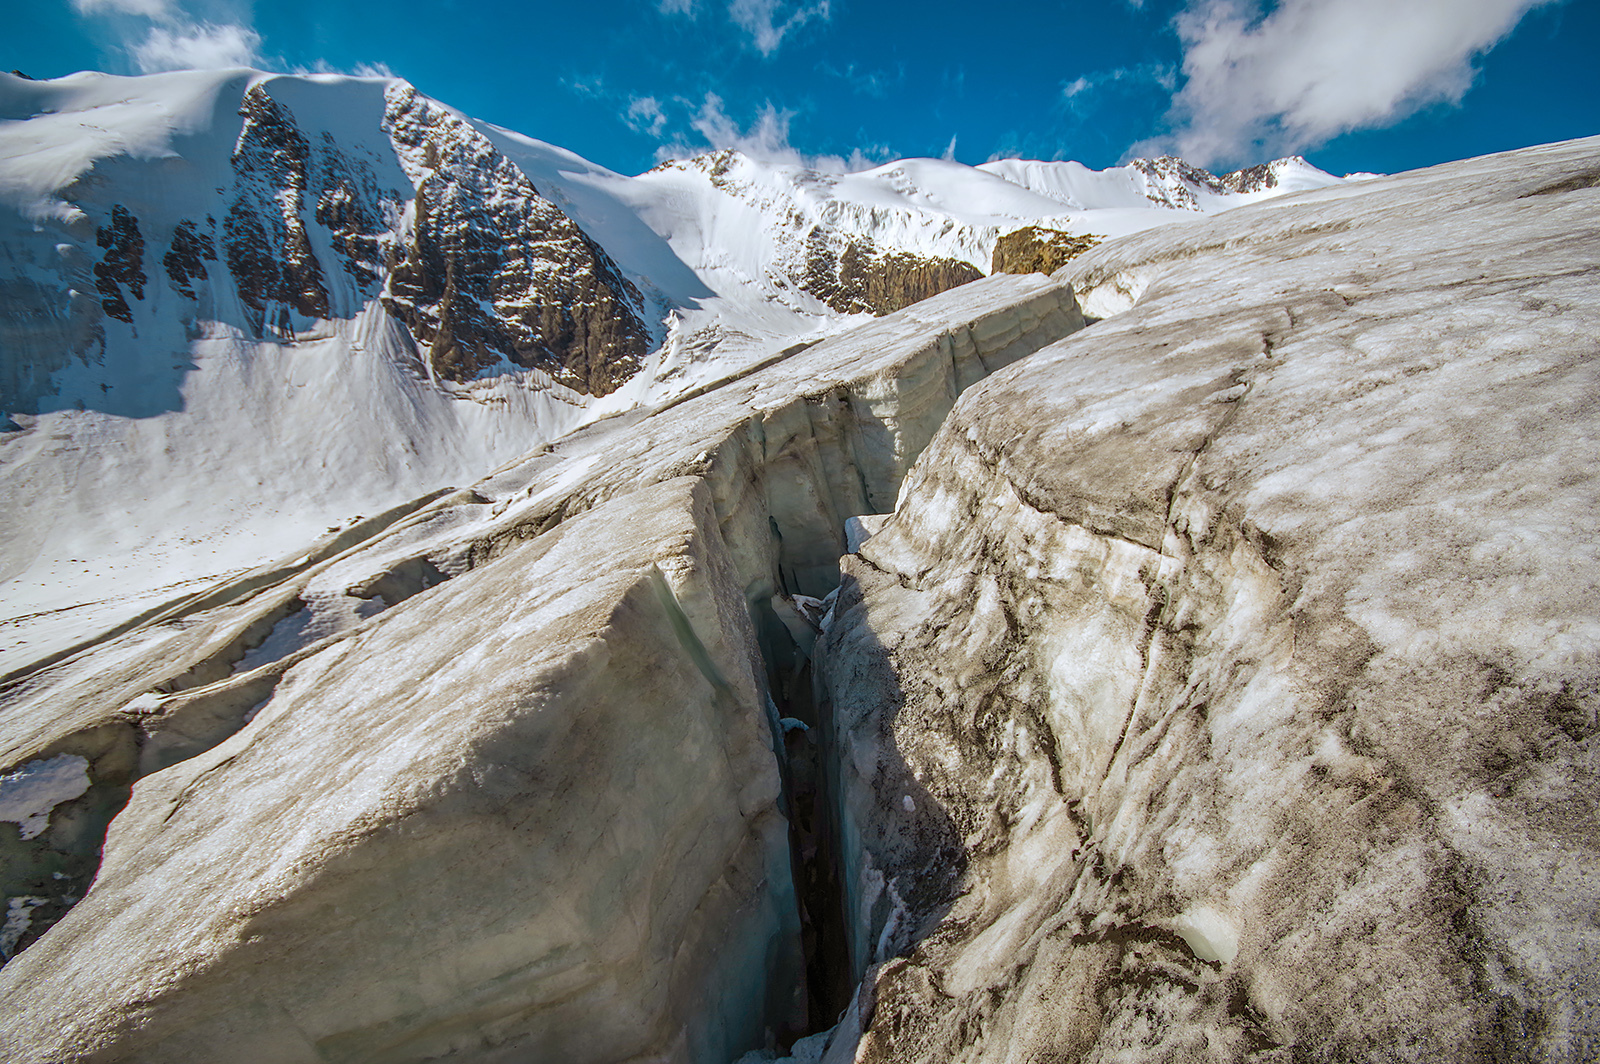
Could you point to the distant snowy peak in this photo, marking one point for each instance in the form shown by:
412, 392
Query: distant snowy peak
854, 247
944, 211
1165, 182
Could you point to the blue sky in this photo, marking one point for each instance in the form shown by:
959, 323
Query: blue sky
1382, 85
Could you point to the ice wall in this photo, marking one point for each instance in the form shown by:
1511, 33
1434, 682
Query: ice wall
1225, 684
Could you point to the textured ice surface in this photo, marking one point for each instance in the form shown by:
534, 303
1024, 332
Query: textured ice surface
1240, 653
530, 815
529, 808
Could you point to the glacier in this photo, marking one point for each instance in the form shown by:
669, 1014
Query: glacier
1224, 685
1189, 654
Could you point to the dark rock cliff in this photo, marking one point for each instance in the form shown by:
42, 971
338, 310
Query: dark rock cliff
265, 239
492, 271
186, 259
121, 265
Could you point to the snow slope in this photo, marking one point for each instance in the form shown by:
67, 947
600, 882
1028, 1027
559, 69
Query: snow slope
177, 447
167, 427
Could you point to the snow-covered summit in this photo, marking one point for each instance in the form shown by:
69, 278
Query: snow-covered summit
1165, 182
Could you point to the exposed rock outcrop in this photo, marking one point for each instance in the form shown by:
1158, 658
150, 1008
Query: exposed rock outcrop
353, 210
121, 263
265, 242
858, 277
1038, 250
1170, 182
186, 259
1225, 684
855, 258
492, 272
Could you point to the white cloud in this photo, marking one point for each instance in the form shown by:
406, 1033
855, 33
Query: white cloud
155, 9
197, 47
678, 7
766, 138
768, 21
950, 149
645, 115
1304, 72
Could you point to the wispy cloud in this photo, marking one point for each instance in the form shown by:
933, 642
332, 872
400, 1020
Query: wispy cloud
1080, 90
769, 21
154, 9
950, 149
201, 46
590, 85
360, 70
868, 81
645, 115
765, 22
1292, 78
176, 40
766, 138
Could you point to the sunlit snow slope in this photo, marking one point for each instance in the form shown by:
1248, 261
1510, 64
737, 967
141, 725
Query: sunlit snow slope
238, 308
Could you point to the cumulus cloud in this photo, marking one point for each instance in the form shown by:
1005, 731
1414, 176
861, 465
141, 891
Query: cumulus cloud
1294, 77
201, 46
766, 138
769, 21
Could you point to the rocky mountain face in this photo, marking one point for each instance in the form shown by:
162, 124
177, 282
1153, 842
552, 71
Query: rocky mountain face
492, 271
865, 279
821, 253
482, 270
266, 245
121, 265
